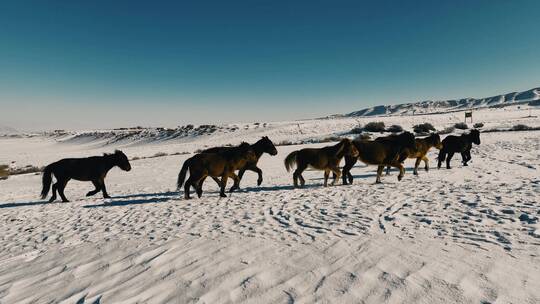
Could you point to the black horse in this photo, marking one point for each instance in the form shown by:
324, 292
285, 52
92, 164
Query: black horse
462, 144
263, 145
92, 169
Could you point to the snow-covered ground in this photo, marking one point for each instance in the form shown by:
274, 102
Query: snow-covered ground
466, 235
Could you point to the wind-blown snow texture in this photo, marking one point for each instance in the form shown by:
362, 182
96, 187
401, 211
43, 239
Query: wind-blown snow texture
438, 106
466, 235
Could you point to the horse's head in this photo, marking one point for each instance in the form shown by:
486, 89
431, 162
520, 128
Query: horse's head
435, 140
349, 148
121, 160
475, 136
266, 145
407, 140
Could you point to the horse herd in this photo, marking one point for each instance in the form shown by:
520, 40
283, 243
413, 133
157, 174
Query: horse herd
221, 163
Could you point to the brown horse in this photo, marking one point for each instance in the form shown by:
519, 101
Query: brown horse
423, 145
92, 169
383, 152
462, 144
221, 164
263, 145
327, 159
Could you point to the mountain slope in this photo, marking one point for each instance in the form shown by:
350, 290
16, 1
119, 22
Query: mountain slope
5, 130
434, 106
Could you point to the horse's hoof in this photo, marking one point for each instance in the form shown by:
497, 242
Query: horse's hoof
106, 196
89, 193
465, 164
399, 178
65, 201
415, 173
259, 182
222, 195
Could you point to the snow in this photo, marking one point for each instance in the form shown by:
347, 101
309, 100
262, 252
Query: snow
466, 235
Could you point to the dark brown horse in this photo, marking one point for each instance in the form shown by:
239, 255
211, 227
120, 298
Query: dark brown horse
222, 164
462, 144
422, 147
263, 145
386, 151
327, 159
92, 169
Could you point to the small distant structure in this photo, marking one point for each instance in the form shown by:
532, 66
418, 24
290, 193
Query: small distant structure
468, 114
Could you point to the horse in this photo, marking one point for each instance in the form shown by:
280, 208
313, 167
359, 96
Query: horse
386, 151
263, 145
222, 164
423, 145
92, 169
462, 144
326, 158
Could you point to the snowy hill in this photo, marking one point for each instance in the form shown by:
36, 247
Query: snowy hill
5, 130
438, 106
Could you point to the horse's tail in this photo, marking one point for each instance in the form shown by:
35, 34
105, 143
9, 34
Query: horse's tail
46, 181
290, 160
182, 174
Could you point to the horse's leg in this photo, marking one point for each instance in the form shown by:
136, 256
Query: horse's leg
187, 185
218, 182
426, 162
97, 185
388, 170
326, 174
464, 158
236, 185
298, 175
337, 174
416, 164
198, 186
441, 157
224, 178
379, 173
236, 179
104, 189
61, 186
236, 182
54, 188
401, 170
346, 174
257, 170
448, 158
201, 181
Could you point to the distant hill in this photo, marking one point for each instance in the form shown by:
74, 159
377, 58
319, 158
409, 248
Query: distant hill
5, 130
431, 106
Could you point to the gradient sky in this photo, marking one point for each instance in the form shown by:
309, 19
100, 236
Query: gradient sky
98, 64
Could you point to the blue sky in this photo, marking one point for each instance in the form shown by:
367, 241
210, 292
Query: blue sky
82, 64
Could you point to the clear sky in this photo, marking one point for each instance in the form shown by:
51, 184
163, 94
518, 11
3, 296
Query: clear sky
82, 64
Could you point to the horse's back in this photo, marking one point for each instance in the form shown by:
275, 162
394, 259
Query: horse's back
377, 151
314, 157
453, 143
83, 169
